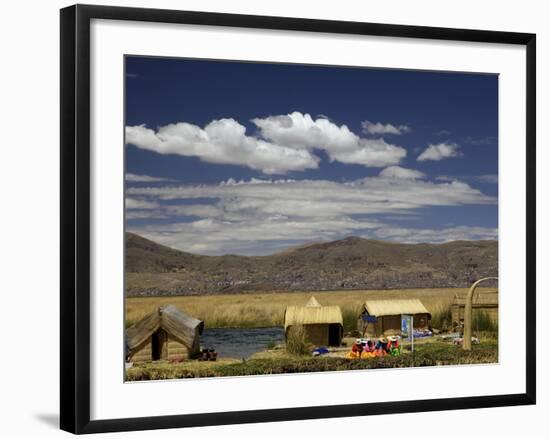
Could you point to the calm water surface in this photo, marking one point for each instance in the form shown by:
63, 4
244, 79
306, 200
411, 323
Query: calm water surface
240, 342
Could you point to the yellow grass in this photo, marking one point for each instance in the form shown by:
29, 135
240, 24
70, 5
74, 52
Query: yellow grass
267, 309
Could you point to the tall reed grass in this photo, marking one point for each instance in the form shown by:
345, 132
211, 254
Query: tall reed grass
350, 315
268, 309
296, 343
482, 322
442, 318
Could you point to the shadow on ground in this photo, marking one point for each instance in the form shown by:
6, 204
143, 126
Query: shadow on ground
49, 419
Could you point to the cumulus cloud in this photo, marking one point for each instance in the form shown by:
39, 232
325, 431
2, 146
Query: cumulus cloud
301, 131
399, 172
440, 151
135, 178
284, 143
384, 128
260, 216
222, 141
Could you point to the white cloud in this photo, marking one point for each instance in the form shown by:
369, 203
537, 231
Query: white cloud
135, 178
440, 151
488, 178
284, 143
399, 172
134, 203
261, 216
251, 236
413, 236
384, 128
371, 152
198, 210
322, 197
222, 141
144, 214
301, 131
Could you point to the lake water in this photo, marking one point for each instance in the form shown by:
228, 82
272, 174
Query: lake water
240, 342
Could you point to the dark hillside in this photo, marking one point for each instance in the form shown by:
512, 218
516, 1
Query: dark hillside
350, 263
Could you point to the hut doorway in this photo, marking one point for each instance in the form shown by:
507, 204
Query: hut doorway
158, 345
334, 334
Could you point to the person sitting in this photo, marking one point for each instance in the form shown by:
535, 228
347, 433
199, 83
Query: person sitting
393, 346
357, 346
369, 346
380, 348
368, 350
356, 349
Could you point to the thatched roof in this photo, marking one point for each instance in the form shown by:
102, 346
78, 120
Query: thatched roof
480, 298
174, 321
312, 302
393, 307
312, 313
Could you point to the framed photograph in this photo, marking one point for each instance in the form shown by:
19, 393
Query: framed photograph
274, 218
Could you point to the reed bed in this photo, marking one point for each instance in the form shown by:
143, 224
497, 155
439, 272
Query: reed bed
267, 309
296, 343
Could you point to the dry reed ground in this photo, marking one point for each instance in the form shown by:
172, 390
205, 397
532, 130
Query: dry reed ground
267, 309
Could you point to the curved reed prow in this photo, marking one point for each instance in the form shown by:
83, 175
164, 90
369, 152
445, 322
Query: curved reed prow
467, 343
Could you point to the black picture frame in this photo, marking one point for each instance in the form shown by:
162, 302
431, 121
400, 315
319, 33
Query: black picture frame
75, 217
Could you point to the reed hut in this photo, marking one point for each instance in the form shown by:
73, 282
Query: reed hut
165, 334
485, 302
383, 317
323, 325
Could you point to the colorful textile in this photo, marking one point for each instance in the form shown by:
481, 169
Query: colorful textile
368, 349
320, 351
366, 354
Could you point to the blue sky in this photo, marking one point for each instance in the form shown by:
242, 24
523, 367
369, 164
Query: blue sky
250, 158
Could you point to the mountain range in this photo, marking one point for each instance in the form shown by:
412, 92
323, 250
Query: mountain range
346, 264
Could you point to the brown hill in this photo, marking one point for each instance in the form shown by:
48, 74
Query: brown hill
351, 263
145, 256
